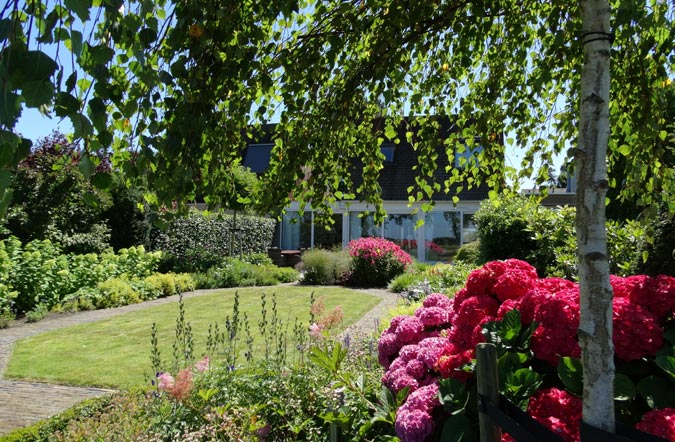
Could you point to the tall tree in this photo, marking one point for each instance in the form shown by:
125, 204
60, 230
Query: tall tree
179, 84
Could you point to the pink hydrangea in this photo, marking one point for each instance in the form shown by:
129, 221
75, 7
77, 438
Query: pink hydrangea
558, 410
414, 419
473, 311
513, 284
372, 249
659, 423
452, 360
433, 316
438, 300
636, 331
556, 335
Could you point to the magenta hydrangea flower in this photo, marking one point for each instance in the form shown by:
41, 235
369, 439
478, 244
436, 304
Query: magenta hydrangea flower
513, 284
437, 300
414, 419
659, 423
636, 331
556, 335
433, 316
558, 410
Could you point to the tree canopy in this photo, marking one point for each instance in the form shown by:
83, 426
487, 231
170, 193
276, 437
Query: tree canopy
175, 89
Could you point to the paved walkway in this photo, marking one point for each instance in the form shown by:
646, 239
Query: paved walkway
25, 403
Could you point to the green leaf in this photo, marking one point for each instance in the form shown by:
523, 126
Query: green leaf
147, 36
571, 374
65, 104
390, 132
453, 395
101, 180
37, 93
669, 335
81, 125
457, 428
37, 66
666, 363
657, 392
79, 7
510, 326
624, 388
662, 135
86, 166
10, 109
5, 180
625, 150
9, 142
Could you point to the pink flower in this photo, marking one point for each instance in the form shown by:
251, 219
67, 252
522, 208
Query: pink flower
433, 316
513, 284
558, 410
473, 311
315, 331
437, 300
414, 419
659, 423
203, 365
452, 360
556, 336
165, 381
636, 331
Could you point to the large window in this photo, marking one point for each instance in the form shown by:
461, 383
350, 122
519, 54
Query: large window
362, 226
302, 232
442, 235
328, 236
400, 229
296, 231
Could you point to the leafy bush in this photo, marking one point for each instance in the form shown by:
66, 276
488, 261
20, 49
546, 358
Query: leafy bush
661, 252
237, 273
376, 261
196, 242
163, 284
53, 200
37, 314
469, 253
533, 323
6, 317
115, 292
256, 258
323, 267
129, 225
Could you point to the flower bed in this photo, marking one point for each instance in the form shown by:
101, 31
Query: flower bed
533, 322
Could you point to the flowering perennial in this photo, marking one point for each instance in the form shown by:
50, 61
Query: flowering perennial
376, 261
439, 340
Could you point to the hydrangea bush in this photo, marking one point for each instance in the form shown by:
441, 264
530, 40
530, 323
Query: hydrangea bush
533, 323
376, 261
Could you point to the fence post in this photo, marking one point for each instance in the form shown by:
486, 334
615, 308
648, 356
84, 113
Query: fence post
488, 387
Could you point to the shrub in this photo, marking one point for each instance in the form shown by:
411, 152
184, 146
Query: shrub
376, 261
404, 281
323, 267
37, 314
163, 283
256, 258
469, 253
6, 317
115, 292
661, 252
533, 323
208, 236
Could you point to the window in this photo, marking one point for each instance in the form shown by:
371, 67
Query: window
400, 229
362, 226
469, 231
442, 230
463, 158
388, 152
258, 157
296, 231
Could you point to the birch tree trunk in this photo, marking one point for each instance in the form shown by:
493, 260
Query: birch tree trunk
595, 328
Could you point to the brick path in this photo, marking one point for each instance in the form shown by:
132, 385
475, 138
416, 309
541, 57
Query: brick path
25, 403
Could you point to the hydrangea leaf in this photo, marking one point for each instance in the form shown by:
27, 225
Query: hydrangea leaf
570, 373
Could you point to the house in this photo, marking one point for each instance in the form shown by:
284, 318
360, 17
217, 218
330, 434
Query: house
445, 228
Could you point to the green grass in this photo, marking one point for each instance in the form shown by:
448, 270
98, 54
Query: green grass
116, 352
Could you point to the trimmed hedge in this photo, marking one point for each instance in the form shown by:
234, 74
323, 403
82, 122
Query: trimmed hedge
197, 242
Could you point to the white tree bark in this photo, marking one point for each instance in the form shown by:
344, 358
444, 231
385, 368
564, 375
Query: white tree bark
595, 328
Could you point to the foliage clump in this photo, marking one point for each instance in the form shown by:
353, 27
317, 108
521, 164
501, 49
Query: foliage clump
324, 267
376, 261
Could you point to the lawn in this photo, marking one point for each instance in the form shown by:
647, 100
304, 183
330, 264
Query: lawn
116, 352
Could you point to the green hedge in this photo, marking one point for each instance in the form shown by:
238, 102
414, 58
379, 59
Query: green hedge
39, 274
198, 242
